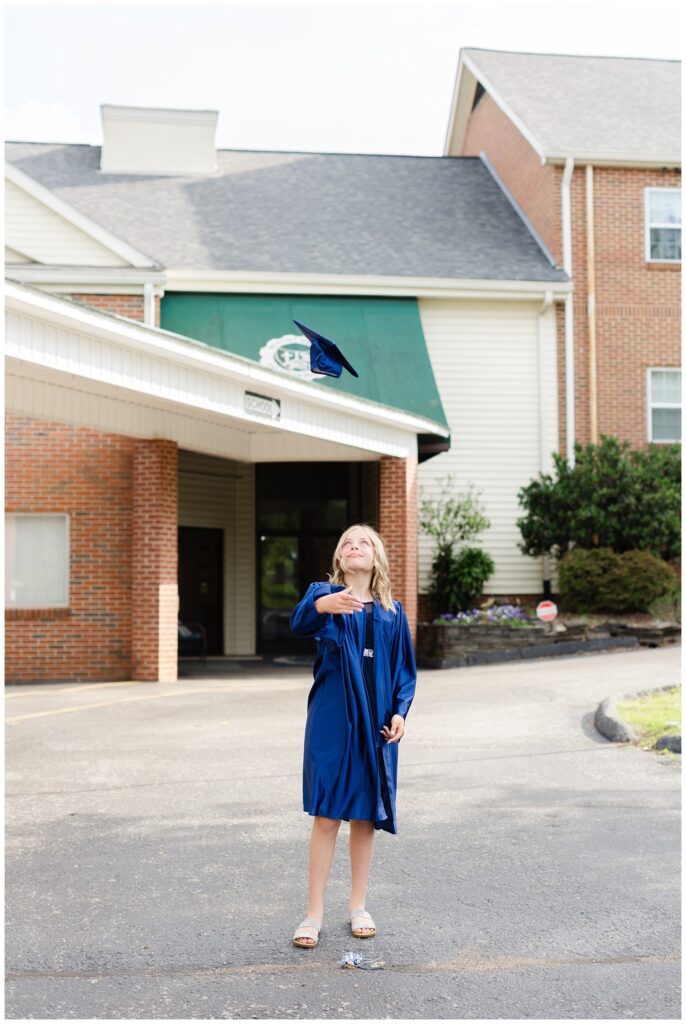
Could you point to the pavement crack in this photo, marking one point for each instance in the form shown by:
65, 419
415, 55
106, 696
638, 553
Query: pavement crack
463, 962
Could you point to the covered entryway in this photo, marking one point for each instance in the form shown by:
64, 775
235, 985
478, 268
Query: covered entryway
181, 433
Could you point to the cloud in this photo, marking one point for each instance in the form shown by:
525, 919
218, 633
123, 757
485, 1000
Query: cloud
41, 121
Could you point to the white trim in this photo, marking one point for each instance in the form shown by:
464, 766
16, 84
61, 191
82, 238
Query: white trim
360, 284
68, 278
462, 75
650, 405
189, 353
79, 220
648, 224
91, 278
620, 160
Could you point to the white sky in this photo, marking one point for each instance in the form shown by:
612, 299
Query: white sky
365, 78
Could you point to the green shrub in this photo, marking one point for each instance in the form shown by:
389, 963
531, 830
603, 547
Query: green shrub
614, 497
457, 580
600, 580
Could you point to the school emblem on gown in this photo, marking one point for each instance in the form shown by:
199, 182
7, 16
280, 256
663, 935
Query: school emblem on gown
291, 353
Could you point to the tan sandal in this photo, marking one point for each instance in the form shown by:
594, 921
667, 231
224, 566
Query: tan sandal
360, 919
309, 928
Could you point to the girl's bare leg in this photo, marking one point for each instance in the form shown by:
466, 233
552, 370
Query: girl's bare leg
361, 848
322, 847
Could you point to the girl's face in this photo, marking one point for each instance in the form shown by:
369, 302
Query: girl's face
357, 552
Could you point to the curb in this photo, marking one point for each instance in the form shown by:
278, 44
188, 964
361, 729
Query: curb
552, 650
610, 725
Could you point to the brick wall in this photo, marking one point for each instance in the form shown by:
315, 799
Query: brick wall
398, 527
51, 467
121, 497
130, 306
154, 605
536, 188
637, 303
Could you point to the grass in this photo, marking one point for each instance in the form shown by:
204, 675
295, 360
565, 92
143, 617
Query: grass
654, 715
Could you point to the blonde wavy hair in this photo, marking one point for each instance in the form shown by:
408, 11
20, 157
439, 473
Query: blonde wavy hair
380, 583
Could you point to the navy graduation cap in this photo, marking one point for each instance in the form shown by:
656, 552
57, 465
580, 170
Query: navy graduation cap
325, 356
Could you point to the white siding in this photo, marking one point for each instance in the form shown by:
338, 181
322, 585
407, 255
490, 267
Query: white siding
218, 493
42, 234
485, 360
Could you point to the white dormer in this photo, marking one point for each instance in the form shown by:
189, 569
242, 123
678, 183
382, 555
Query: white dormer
150, 140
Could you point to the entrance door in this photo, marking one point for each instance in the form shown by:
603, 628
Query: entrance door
302, 507
201, 582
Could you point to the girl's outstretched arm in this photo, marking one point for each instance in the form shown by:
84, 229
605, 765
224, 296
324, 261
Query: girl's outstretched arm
403, 668
307, 621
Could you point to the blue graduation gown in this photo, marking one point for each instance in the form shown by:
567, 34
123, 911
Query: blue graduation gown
341, 767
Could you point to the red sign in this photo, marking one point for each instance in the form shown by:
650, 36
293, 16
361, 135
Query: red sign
546, 611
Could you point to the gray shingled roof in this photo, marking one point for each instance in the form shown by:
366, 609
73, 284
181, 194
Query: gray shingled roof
602, 107
304, 212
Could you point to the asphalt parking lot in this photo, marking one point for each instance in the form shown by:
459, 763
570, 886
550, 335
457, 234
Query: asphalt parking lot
156, 852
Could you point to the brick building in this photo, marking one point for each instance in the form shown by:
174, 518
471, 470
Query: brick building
589, 150
168, 453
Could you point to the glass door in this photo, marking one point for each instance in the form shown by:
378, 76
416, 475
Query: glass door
279, 577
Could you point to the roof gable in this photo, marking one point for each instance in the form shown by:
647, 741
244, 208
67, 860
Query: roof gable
44, 228
605, 109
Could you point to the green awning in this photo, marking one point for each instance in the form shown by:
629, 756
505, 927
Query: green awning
381, 337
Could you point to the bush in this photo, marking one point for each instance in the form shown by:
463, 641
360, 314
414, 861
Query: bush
457, 580
600, 580
451, 519
614, 497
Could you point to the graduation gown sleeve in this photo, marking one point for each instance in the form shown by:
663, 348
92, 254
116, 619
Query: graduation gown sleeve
403, 668
307, 621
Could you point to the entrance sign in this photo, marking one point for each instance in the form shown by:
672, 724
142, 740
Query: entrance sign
546, 611
262, 405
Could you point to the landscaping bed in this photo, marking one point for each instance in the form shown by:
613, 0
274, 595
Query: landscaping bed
509, 632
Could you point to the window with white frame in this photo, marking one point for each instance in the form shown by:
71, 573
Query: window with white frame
663, 225
664, 404
36, 560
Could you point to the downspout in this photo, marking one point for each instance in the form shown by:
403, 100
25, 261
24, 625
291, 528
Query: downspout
544, 445
569, 307
590, 285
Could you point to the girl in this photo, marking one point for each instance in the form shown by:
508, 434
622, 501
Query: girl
364, 683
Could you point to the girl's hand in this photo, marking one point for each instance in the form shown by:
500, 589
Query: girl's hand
343, 602
396, 731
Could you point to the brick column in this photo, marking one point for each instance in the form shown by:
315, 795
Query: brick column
398, 527
154, 551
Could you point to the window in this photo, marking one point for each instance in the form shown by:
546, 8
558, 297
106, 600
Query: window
36, 561
664, 405
663, 225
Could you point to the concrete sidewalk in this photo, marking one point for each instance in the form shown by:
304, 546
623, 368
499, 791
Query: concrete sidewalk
157, 852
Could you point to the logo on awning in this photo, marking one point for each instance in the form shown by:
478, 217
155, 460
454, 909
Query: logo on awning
291, 353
